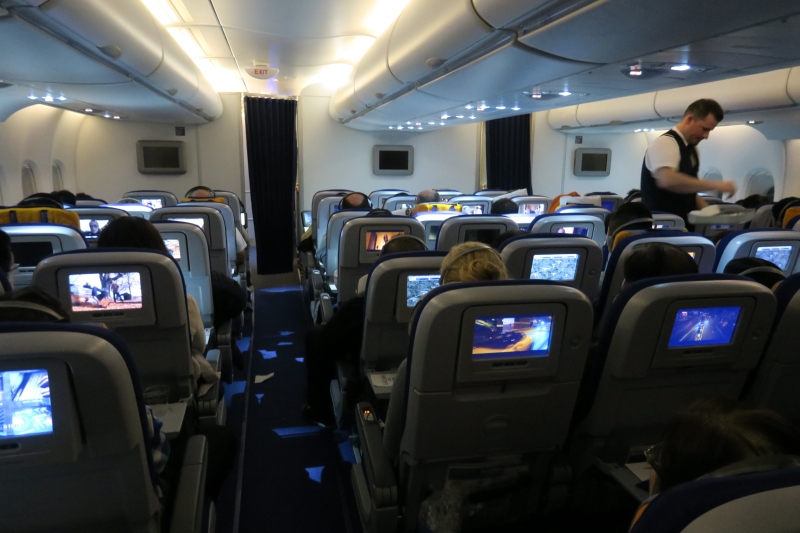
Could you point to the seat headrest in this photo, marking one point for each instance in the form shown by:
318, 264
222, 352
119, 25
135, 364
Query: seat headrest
40, 215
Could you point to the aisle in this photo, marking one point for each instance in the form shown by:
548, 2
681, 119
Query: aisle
295, 477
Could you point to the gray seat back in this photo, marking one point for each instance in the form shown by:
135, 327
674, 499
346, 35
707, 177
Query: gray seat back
779, 246
432, 222
33, 242
233, 201
151, 198
491, 193
213, 227
229, 225
103, 215
483, 228
475, 205
571, 223
446, 194
381, 195
668, 221
134, 210
401, 201
333, 235
315, 201
763, 216
327, 207
598, 212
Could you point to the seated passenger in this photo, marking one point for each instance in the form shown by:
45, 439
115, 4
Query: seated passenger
353, 200
201, 192
426, 196
6, 262
711, 434
626, 217
759, 270
753, 201
340, 340
657, 259
65, 197
504, 206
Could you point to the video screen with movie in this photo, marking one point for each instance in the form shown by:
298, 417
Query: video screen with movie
779, 255
174, 248
28, 254
102, 291
153, 203
486, 236
90, 227
532, 209
706, 326
572, 230
418, 286
25, 407
376, 240
497, 337
199, 222
472, 209
555, 267
405, 206
608, 204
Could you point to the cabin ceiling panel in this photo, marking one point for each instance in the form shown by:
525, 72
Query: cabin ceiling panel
501, 14
196, 12
777, 39
608, 31
12, 99
212, 40
288, 51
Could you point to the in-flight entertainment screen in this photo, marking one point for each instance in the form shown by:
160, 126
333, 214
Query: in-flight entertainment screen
775, 254
555, 267
497, 337
103, 291
25, 407
706, 326
418, 286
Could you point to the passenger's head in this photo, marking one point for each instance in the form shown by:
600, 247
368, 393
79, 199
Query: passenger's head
657, 259
779, 207
131, 232
759, 270
630, 216
379, 212
65, 196
504, 206
503, 237
201, 191
6, 255
355, 200
753, 201
129, 201
472, 261
31, 304
715, 433
403, 243
428, 196
699, 119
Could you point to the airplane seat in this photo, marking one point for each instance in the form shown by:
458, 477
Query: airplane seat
598, 212
360, 245
315, 201
663, 220
522, 220
89, 203
608, 200
327, 207
31, 243
398, 201
377, 198
481, 228
666, 342
447, 194
789, 214
233, 201
556, 203
100, 215
570, 223
762, 217
491, 193
153, 198
332, 237
229, 225
532, 205
39, 215
777, 245
625, 244
775, 382
5, 284
569, 259
147, 308
753, 495
472, 412
212, 224
78, 455
134, 210
432, 222
473, 205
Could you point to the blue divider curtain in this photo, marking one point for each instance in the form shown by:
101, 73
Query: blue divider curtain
271, 128
508, 153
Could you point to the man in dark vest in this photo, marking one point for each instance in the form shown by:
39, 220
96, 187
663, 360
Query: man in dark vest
669, 171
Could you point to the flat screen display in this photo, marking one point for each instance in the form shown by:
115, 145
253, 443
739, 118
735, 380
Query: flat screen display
501, 337
608, 204
573, 230
486, 236
102, 291
721, 226
28, 254
693, 255
405, 206
705, 326
472, 209
532, 209
174, 248
393, 159
376, 240
660, 226
199, 222
90, 227
25, 407
775, 254
153, 203
306, 218
555, 267
418, 286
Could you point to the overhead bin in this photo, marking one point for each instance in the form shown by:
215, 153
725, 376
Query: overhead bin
614, 30
373, 80
618, 110
429, 33
501, 14
344, 103
793, 85
563, 116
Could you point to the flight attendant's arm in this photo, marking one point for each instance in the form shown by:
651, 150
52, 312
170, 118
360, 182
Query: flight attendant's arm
669, 179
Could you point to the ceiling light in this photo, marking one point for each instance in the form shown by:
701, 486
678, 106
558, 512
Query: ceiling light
408, 122
681, 68
186, 39
564, 93
48, 98
419, 128
391, 127
637, 130
163, 11
515, 108
459, 116
62, 98
441, 123
355, 51
431, 123
221, 79
473, 117
536, 95
31, 97
107, 115
399, 127
384, 13
116, 117
445, 116
635, 73
89, 110
468, 106
500, 107
418, 124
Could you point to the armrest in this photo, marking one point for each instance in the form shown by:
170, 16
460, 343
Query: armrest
316, 282
376, 463
326, 307
213, 358
187, 513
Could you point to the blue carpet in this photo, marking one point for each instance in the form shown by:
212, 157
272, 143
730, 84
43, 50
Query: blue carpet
296, 476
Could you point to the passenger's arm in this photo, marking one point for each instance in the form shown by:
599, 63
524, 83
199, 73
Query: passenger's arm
669, 179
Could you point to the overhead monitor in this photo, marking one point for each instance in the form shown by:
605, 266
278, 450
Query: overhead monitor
705, 326
154, 203
392, 160
555, 266
592, 162
174, 248
91, 227
28, 254
516, 336
417, 286
160, 157
25, 407
778, 255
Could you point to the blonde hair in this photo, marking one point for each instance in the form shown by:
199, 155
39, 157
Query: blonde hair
472, 261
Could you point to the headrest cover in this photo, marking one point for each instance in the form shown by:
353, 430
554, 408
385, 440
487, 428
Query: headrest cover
218, 200
789, 214
40, 215
613, 238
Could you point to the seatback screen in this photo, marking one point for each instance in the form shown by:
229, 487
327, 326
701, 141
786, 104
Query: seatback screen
660, 226
486, 236
199, 222
376, 240
418, 286
90, 227
532, 209
28, 254
154, 203
472, 209
608, 204
174, 248
515, 336
102, 291
25, 407
779, 255
555, 267
706, 326
573, 230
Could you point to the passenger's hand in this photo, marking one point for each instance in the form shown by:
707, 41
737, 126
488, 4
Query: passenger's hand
727, 187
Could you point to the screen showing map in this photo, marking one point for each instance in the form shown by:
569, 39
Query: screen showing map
90, 227
376, 240
498, 337
573, 230
532, 209
779, 255
153, 203
102, 291
418, 286
706, 326
555, 267
174, 248
25, 403
199, 222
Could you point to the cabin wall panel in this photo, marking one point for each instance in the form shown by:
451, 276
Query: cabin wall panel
791, 184
334, 156
220, 148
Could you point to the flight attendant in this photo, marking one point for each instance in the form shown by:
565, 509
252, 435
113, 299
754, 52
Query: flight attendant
669, 171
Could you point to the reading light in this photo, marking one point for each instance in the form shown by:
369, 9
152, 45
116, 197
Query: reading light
681, 68
391, 127
472, 117
459, 116
515, 108
399, 127
564, 93
62, 98
445, 116
468, 106
431, 123
418, 124
107, 115
441, 123
751, 121
89, 110
536, 95
408, 123
116, 117
48, 98
635, 73
500, 107
31, 97
419, 128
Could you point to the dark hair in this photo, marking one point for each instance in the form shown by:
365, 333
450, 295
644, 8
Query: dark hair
504, 206
355, 200
700, 109
23, 313
633, 194
83, 196
403, 243
767, 278
780, 207
200, 188
656, 259
753, 201
717, 432
6, 255
626, 213
65, 196
503, 237
131, 232
379, 212
41, 199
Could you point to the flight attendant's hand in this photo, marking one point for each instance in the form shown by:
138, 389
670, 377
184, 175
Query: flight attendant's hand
727, 187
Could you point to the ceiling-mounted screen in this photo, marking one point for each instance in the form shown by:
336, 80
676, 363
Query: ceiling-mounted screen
392, 160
